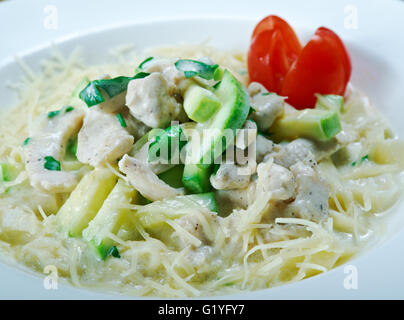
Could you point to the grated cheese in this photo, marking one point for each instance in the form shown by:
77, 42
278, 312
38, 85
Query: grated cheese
244, 251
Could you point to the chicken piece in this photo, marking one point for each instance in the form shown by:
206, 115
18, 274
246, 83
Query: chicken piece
263, 147
235, 199
245, 160
268, 106
49, 139
276, 180
192, 225
273, 185
229, 176
112, 104
152, 101
142, 155
135, 127
295, 151
304, 150
246, 135
102, 139
349, 154
325, 149
312, 193
144, 180
255, 89
176, 80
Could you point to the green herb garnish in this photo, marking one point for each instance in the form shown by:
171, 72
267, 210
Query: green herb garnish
190, 74
26, 141
52, 164
92, 96
53, 114
216, 167
365, 158
216, 85
140, 75
113, 251
121, 120
251, 110
193, 68
144, 62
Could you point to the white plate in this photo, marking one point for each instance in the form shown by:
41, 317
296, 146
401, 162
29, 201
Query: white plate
374, 40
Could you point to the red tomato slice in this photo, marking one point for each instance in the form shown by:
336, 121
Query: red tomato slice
341, 49
276, 23
273, 49
322, 67
267, 61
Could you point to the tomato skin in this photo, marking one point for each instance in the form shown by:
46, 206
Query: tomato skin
274, 23
277, 60
341, 49
322, 67
266, 60
274, 47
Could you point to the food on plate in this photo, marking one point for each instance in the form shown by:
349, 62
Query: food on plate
190, 171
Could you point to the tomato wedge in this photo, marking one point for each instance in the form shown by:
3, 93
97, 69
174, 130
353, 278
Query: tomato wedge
277, 60
340, 47
273, 23
322, 67
274, 47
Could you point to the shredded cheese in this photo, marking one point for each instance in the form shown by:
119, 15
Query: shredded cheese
193, 252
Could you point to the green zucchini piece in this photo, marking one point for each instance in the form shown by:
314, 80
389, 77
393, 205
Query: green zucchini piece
166, 144
321, 125
196, 178
8, 172
85, 201
330, 102
143, 140
231, 115
109, 219
173, 177
155, 213
200, 104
